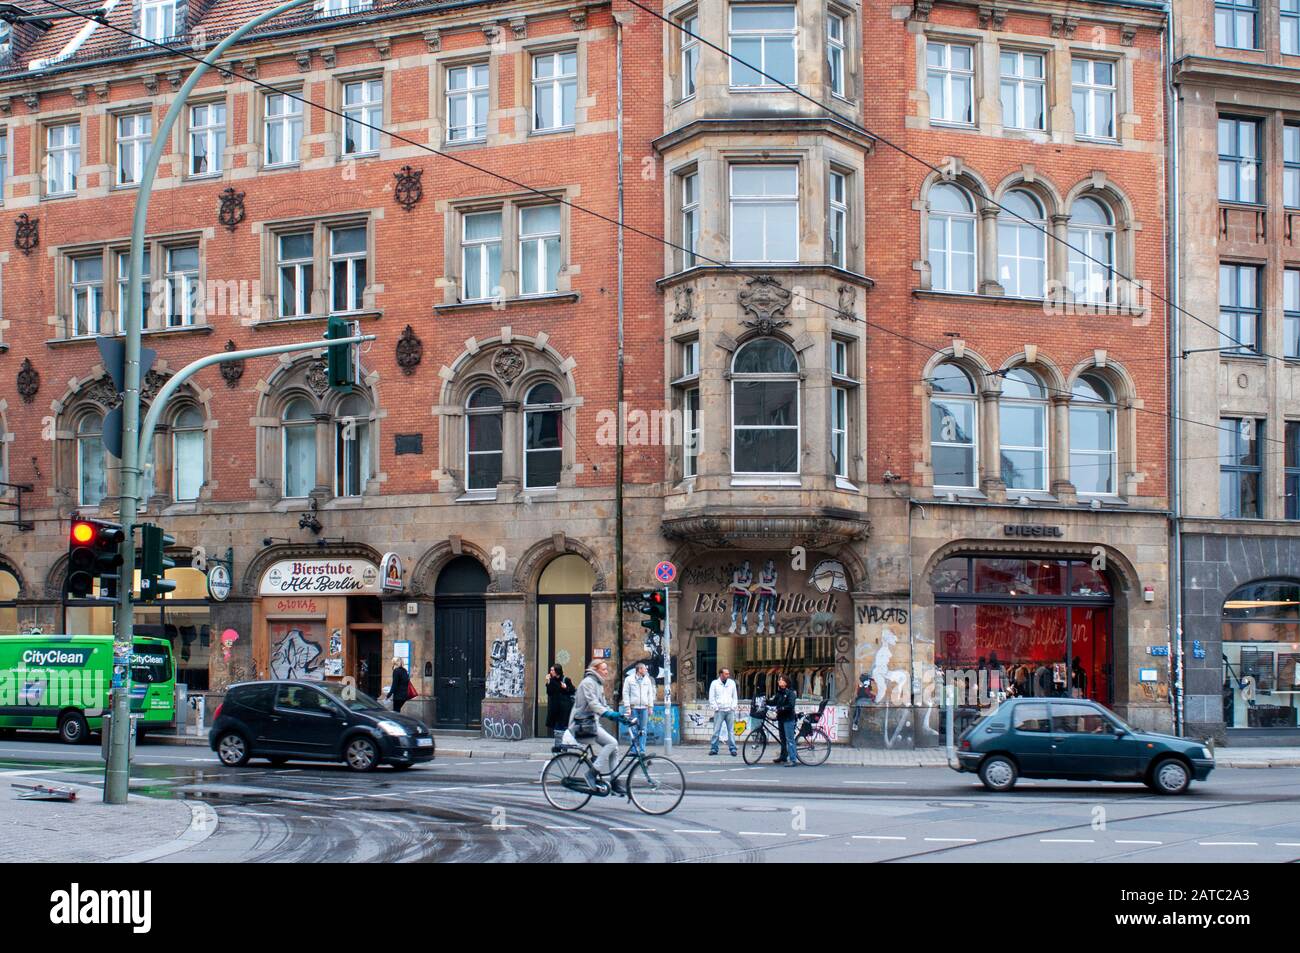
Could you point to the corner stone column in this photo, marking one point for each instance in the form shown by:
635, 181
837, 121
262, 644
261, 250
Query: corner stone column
988, 252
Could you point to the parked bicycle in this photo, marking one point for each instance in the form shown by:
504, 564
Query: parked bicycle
811, 742
654, 783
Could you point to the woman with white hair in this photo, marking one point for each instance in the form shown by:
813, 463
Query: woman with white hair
400, 690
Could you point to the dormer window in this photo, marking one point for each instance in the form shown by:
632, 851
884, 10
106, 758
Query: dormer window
160, 19
338, 8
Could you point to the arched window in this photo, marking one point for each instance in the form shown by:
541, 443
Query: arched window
1022, 418
1092, 252
351, 447
953, 446
1092, 436
187, 454
1022, 245
483, 439
952, 239
543, 453
92, 474
765, 408
299, 427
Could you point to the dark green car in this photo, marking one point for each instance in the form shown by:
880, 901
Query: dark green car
1076, 740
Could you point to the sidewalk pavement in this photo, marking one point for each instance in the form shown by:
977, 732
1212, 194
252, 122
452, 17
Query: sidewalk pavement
89, 831
460, 745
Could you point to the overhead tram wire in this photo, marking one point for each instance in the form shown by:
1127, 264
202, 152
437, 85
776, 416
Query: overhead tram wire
559, 199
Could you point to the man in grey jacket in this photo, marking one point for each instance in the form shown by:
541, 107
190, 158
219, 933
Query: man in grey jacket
588, 708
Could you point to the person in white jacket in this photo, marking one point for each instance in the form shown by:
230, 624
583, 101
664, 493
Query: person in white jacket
638, 700
723, 700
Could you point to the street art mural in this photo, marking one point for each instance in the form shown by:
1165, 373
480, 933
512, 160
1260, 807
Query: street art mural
505, 677
294, 654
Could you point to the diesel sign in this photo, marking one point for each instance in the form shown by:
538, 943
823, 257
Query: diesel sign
1031, 529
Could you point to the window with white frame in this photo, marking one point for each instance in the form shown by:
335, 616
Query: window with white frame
351, 447
184, 301
953, 421
690, 238
1291, 164
1090, 257
836, 54
952, 239
1290, 14
1022, 424
1023, 90
837, 219
484, 432
1093, 454
765, 409
187, 454
281, 129
160, 19
298, 424
134, 133
347, 268
363, 116
467, 102
1236, 24
543, 446
689, 382
539, 249
480, 255
690, 54
1291, 314
950, 82
764, 213
840, 398
295, 261
92, 469
555, 90
761, 39
62, 158
207, 138
1092, 94
1022, 245
1239, 141
124, 283
87, 293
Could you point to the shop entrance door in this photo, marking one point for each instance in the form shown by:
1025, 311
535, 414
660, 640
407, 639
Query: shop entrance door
460, 644
563, 627
371, 670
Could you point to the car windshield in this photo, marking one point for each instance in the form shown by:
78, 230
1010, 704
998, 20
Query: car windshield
350, 698
150, 665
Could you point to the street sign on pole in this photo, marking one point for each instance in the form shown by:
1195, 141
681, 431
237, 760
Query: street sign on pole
668, 675
665, 572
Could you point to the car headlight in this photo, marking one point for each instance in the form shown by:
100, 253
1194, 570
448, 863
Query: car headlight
392, 728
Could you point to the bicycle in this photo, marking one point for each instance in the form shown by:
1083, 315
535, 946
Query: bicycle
654, 783
812, 746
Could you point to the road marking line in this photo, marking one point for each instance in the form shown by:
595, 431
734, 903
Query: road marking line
873, 782
1287, 843
1066, 840
675, 831
633, 830
496, 826
760, 834
814, 835
254, 814
877, 837
952, 840
347, 797
1228, 843
697, 772
561, 827
1139, 842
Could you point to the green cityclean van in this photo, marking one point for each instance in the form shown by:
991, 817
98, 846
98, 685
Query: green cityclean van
61, 683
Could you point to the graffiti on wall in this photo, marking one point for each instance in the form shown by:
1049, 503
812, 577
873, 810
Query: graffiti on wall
506, 667
294, 655
503, 720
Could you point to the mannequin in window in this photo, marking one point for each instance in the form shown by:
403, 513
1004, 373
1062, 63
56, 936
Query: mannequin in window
741, 579
767, 596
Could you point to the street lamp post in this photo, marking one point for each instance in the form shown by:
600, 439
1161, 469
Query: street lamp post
117, 775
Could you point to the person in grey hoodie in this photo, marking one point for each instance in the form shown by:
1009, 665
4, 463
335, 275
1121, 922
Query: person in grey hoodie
588, 708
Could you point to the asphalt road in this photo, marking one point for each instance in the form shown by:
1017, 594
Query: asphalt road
486, 809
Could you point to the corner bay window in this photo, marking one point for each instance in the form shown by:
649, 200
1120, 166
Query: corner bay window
764, 213
953, 451
765, 409
761, 38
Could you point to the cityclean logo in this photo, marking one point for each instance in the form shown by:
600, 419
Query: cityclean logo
62, 658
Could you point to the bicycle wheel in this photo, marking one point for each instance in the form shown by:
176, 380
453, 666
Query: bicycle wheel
564, 782
814, 748
755, 745
656, 785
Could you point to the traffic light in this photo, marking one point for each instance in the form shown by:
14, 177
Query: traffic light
340, 355
94, 552
652, 607
154, 562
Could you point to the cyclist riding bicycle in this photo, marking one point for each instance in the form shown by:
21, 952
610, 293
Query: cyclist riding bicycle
584, 726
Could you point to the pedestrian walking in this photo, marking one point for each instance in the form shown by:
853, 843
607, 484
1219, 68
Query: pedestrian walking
638, 700
783, 700
559, 703
400, 689
723, 700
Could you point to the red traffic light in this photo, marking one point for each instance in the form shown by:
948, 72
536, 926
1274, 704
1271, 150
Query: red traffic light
83, 533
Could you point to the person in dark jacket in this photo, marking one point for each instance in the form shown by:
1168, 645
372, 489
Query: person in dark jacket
400, 690
559, 703
783, 701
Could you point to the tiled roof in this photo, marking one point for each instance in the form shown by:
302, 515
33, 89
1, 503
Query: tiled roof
58, 45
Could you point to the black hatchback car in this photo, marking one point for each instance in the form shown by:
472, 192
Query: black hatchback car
1078, 740
314, 721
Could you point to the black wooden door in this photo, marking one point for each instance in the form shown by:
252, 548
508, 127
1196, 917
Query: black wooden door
460, 630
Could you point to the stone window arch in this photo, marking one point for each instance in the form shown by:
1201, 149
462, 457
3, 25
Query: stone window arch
1101, 431
178, 469
91, 459
1100, 232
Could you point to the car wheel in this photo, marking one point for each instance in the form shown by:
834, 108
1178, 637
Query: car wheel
1170, 776
362, 754
73, 729
232, 749
998, 773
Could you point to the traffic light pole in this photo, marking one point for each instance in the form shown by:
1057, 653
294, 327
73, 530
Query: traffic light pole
118, 769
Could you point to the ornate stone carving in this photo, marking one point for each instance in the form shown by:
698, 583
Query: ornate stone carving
1064, 26
27, 233
101, 92
1128, 33
29, 381
519, 26
491, 31
409, 351
303, 58
153, 383
150, 81
327, 56
318, 378
232, 371
921, 9
764, 298
846, 306
6, 105
174, 79
578, 16
102, 392
32, 101
508, 363
989, 14
433, 39
685, 303
384, 47
79, 95
231, 212
408, 190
